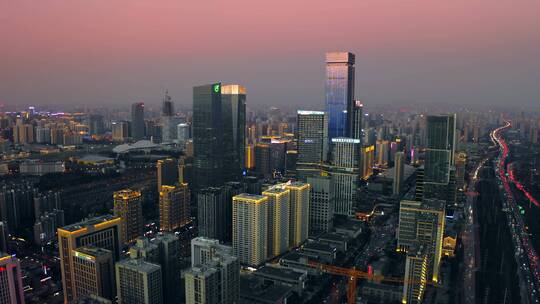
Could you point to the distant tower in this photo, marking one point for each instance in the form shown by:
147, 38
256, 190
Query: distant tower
128, 206
137, 121
11, 287
167, 108
399, 168
356, 125
339, 92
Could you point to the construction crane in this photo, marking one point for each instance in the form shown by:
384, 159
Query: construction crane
353, 275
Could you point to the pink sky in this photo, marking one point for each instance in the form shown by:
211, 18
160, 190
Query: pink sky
113, 52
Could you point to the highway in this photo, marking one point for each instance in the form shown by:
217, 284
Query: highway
525, 255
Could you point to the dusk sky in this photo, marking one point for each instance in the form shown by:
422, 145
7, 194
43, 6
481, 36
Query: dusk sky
103, 52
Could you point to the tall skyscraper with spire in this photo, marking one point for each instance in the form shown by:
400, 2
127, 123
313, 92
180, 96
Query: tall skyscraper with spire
339, 93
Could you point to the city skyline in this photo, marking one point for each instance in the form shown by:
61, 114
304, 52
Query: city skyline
416, 52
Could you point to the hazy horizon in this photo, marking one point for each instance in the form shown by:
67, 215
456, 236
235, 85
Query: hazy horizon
100, 53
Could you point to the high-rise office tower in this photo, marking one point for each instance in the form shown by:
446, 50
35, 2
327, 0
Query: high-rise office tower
423, 223
138, 282
128, 206
11, 288
399, 168
212, 255
233, 99
207, 136
345, 173
163, 250
93, 271
416, 269
439, 173
211, 213
250, 228
440, 149
174, 207
4, 237
299, 212
167, 172
312, 141
367, 158
137, 121
321, 206
339, 92
356, 124
278, 220
102, 232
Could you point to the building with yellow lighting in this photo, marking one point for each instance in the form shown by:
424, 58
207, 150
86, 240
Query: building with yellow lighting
367, 158
416, 275
174, 206
128, 206
93, 270
250, 228
102, 232
11, 287
278, 220
423, 223
299, 212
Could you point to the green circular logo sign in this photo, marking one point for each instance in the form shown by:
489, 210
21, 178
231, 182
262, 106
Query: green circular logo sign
216, 88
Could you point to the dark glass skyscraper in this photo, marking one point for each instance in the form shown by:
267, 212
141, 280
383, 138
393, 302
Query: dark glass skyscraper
207, 136
440, 147
339, 92
356, 125
233, 99
312, 137
137, 121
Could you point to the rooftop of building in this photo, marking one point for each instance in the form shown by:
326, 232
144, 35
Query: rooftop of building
93, 251
316, 246
279, 272
250, 197
332, 236
92, 222
93, 158
139, 265
253, 288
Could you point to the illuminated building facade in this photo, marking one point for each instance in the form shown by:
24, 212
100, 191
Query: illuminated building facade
345, 173
138, 282
299, 212
128, 206
11, 287
278, 220
339, 92
367, 158
423, 223
93, 271
416, 275
102, 232
174, 204
250, 228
